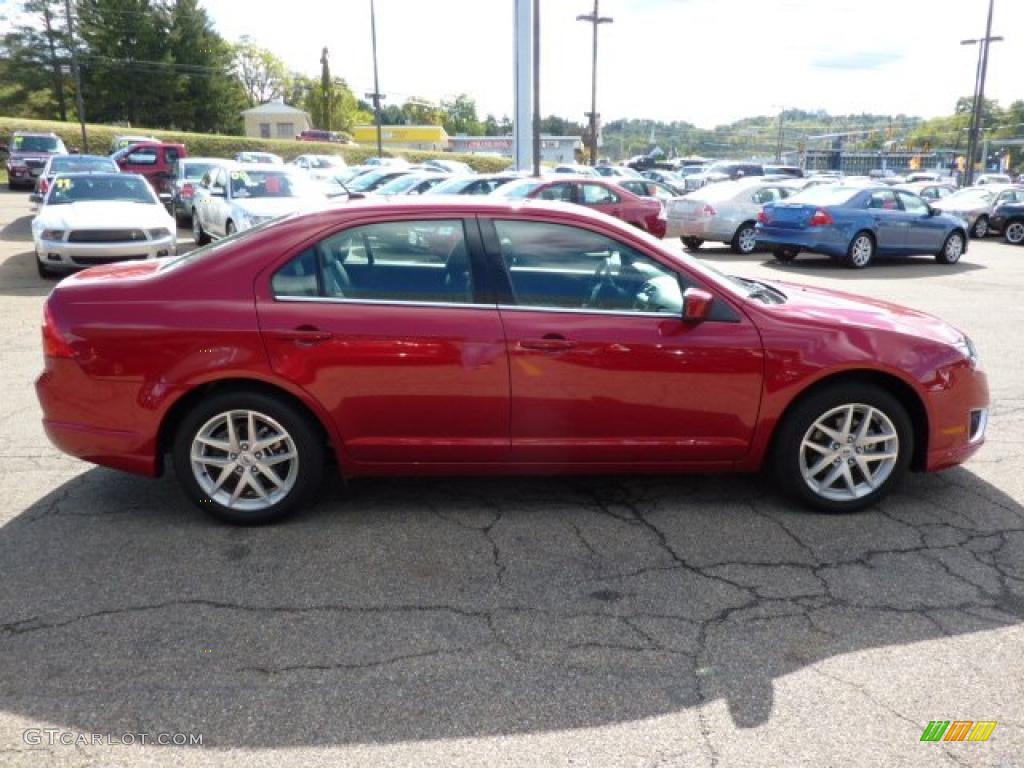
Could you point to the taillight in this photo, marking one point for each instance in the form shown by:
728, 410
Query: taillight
43, 186
187, 190
707, 210
54, 344
821, 218
763, 217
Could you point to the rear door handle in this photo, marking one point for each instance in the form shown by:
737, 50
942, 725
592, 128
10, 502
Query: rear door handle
550, 343
304, 334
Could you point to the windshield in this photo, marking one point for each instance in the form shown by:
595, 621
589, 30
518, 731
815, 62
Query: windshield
372, 180
971, 197
259, 183
216, 246
451, 187
518, 189
37, 144
73, 163
196, 171
119, 188
401, 184
326, 161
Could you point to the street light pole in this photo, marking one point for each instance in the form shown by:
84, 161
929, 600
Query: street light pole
596, 19
76, 72
979, 92
376, 96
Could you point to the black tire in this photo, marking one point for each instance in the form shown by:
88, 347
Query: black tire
743, 241
787, 448
692, 243
307, 439
1013, 231
44, 271
229, 228
785, 255
198, 233
952, 248
856, 256
981, 227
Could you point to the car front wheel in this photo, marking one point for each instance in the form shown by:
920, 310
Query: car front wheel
247, 457
692, 243
952, 249
1014, 232
980, 228
843, 448
785, 255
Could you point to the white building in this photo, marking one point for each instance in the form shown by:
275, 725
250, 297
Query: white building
275, 120
553, 149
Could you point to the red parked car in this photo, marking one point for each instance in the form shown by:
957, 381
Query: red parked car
156, 161
593, 192
474, 335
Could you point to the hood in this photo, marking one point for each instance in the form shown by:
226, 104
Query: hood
103, 215
276, 206
822, 304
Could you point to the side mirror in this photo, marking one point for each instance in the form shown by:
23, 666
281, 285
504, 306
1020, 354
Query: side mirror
933, 211
696, 305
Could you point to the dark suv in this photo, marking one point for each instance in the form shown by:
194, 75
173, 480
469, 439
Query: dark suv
723, 171
27, 156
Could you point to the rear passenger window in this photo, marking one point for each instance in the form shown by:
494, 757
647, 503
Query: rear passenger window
400, 261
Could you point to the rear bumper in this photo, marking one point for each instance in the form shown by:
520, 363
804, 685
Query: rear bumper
824, 241
704, 228
80, 421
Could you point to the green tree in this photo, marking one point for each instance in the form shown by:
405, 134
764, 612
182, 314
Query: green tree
206, 98
417, 111
126, 64
460, 116
263, 75
32, 59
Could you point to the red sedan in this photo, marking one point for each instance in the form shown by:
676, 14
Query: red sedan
474, 335
645, 213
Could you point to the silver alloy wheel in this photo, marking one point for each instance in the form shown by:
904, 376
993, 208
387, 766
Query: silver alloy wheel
244, 460
1015, 233
954, 247
746, 240
849, 452
860, 253
981, 227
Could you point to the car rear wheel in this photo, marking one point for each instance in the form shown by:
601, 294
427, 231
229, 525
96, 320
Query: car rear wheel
980, 228
247, 457
952, 249
198, 233
843, 448
744, 241
861, 251
1014, 232
692, 243
785, 255
230, 228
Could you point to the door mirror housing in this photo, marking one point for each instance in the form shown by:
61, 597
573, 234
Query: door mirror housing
696, 305
933, 211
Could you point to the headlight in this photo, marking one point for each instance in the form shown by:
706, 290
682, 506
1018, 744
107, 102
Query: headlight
52, 234
966, 346
158, 233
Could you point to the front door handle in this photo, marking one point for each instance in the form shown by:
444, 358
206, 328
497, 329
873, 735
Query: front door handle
304, 334
551, 342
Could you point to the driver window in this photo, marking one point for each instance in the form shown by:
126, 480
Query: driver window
554, 266
595, 194
913, 204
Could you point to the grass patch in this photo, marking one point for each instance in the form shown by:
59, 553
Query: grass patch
217, 145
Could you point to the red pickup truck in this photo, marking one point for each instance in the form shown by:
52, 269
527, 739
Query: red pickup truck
155, 160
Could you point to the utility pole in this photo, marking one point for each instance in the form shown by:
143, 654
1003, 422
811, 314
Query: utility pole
79, 101
979, 93
596, 19
536, 88
376, 96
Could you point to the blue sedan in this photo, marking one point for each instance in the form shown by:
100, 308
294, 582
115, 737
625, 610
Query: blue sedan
856, 224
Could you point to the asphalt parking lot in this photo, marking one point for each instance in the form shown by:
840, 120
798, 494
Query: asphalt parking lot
619, 621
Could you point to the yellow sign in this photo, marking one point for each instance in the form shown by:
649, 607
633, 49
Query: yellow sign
401, 134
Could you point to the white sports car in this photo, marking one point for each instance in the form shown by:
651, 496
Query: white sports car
99, 218
235, 197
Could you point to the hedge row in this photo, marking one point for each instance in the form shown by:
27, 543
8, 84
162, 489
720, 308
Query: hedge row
215, 145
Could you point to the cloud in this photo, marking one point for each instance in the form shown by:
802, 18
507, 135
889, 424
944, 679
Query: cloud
866, 60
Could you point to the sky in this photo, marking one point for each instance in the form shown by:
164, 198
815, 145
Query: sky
707, 62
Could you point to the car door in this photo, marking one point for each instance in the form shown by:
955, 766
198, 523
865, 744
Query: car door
925, 233
602, 366
889, 221
388, 326
601, 198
